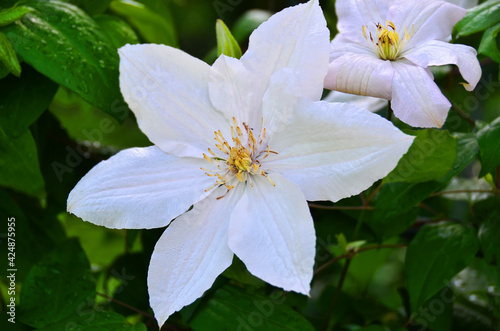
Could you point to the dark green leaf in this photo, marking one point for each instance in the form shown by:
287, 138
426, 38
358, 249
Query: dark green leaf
94, 320
86, 123
66, 45
231, 308
436, 313
436, 254
92, 7
395, 205
23, 100
37, 234
479, 18
10, 15
153, 27
489, 147
58, 287
3, 71
430, 157
8, 56
19, 167
226, 44
489, 45
467, 151
117, 30
239, 273
489, 237
131, 270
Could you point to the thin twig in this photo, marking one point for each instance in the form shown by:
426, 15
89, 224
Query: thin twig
460, 191
429, 209
352, 254
464, 115
373, 193
336, 295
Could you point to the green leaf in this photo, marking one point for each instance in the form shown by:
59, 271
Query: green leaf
153, 27
23, 100
10, 15
467, 151
248, 22
489, 44
3, 71
94, 320
117, 30
8, 56
342, 243
130, 271
430, 157
19, 167
230, 308
65, 44
395, 205
436, 254
36, 232
226, 44
92, 7
395, 208
86, 123
58, 287
479, 18
489, 237
436, 313
489, 147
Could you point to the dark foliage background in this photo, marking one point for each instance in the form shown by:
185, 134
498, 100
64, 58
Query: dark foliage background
419, 250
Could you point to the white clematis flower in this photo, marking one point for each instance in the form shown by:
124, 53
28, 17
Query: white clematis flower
384, 49
361, 101
244, 141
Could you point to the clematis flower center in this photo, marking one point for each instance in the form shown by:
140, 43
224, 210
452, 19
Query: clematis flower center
240, 159
388, 42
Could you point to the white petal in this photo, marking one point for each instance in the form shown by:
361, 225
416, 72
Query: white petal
360, 74
429, 19
236, 91
272, 232
190, 254
353, 14
368, 103
279, 100
139, 188
335, 150
435, 53
167, 90
341, 45
295, 38
416, 99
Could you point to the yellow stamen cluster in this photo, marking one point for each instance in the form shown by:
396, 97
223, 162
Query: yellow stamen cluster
389, 44
239, 160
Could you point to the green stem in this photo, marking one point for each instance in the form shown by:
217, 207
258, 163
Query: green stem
335, 299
